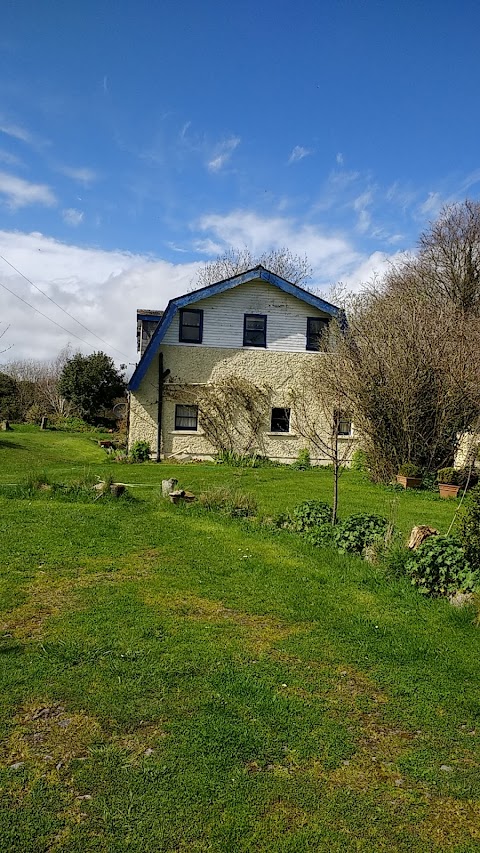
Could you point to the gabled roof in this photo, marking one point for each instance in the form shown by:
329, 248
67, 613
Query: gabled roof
254, 274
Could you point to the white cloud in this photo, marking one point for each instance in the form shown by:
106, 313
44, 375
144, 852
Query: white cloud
19, 193
222, 154
101, 289
298, 153
16, 132
432, 205
83, 175
331, 255
72, 216
339, 158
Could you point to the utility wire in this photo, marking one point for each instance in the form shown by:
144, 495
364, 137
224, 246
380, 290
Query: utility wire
45, 315
61, 309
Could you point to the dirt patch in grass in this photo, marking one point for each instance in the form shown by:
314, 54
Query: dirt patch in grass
45, 599
260, 632
449, 822
46, 737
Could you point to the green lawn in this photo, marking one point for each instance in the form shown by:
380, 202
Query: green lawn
172, 680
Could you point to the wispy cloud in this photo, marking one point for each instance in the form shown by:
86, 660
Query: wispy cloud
339, 158
72, 216
16, 132
19, 193
298, 153
222, 154
9, 159
82, 175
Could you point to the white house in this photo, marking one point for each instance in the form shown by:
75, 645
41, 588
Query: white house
255, 327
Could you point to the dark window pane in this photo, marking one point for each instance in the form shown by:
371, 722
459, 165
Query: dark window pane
317, 333
191, 326
344, 423
254, 330
280, 420
186, 417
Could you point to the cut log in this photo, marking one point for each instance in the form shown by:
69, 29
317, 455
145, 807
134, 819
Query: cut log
419, 534
168, 486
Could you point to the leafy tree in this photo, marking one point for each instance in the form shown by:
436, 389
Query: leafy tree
91, 383
8, 388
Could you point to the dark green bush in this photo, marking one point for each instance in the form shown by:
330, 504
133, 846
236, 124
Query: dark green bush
408, 469
449, 476
140, 451
440, 567
321, 535
469, 527
358, 531
308, 515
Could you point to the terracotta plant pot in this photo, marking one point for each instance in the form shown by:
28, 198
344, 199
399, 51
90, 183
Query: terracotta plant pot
448, 491
409, 482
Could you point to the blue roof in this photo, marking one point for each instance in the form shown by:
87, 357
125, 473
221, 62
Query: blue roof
254, 274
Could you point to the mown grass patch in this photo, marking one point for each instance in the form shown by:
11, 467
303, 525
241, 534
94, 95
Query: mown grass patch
173, 679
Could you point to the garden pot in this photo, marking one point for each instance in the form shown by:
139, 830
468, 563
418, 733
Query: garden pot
448, 491
409, 482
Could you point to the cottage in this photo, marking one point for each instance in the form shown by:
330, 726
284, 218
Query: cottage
228, 356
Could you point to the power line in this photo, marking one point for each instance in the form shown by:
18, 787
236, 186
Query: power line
61, 309
46, 316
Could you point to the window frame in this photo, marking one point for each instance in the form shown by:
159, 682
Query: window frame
181, 325
177, 417
343, 417
310, 344
257, 317
278, 417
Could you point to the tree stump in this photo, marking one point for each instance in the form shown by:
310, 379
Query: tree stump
419, 534
5, 426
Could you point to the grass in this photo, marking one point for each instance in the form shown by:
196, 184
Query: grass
175, 680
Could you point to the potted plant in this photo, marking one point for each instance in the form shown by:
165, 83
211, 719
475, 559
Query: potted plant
449, 481
409, 476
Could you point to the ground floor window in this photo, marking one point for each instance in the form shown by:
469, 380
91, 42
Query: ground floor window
344, 422
186, 417
280, 421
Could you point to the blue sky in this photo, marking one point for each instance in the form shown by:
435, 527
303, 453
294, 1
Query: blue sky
138, 140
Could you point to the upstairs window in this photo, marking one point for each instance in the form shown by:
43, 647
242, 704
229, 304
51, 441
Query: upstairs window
186, 417
343, 422
317, 333
254, 330
280, 421
191, 326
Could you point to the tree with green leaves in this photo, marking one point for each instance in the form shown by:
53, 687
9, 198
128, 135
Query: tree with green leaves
91, 383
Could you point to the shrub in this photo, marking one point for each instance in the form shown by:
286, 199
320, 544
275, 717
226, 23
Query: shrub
321, 535
71, 424
34, 414
469, 527
244, 460
449, 476
440, 567
408, 469
360, 462
229, 502
308, 515
358, 531
302, 462
394, 558
140, 451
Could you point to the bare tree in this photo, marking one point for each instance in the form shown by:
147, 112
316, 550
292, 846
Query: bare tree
37, 384
449, 256
321, 411
283, 262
